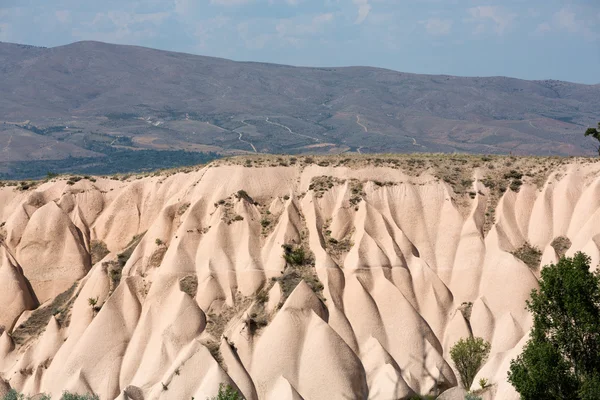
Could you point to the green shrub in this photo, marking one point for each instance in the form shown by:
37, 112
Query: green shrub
14, 395
226, 392
75, 396
561, 360
483, 383
98, 250
468, 356
294, 255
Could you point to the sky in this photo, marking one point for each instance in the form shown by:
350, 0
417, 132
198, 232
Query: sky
528, 39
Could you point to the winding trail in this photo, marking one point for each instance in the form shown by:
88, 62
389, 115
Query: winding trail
7, 148
358, 122
247, 142
290, 131
240, 137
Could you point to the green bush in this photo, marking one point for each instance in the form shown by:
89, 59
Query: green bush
14, 395
468, 356
561, 360
75, 396
294, 255
226, 392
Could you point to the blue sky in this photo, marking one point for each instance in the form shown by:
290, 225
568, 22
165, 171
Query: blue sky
530, 39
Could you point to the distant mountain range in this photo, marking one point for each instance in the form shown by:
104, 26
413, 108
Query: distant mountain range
93, 106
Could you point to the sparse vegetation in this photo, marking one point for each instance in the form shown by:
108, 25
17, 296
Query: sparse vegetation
74, 396
126, 254
242, 195
561, 244
356, 188
39, 318
189, 285
336, 248
299, 266
468, 356
294, 255
466, 308
529, 254
98, 250
321, 184
229, 216
183, 208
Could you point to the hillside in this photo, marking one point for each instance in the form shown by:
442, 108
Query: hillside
94, 104
294, 278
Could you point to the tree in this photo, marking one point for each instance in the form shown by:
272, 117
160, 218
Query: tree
226, 392
468, 356
595, 133
561, 360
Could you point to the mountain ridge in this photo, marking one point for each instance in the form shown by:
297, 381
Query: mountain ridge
89, 98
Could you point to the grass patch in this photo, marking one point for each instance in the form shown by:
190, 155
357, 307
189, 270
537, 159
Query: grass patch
98, 250
530, 255
183, 208
465, 309
321, 184
299, 266
157, 257
561, 244
189, 285
334, 247
39, 318
242, 195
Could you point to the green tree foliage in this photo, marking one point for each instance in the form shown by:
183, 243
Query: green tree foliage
468, 356
75, 396
595, 133
14, 395
561, 360
226, 392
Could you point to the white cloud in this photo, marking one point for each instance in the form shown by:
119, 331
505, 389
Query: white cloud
229, 2
543, 28
4, 32
498, 16
252, 41
437, 26
205, 30
183, 7
121, 26
566, 19
364, 8
62, 16
288, 27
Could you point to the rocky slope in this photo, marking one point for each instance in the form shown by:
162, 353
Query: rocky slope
287, 278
